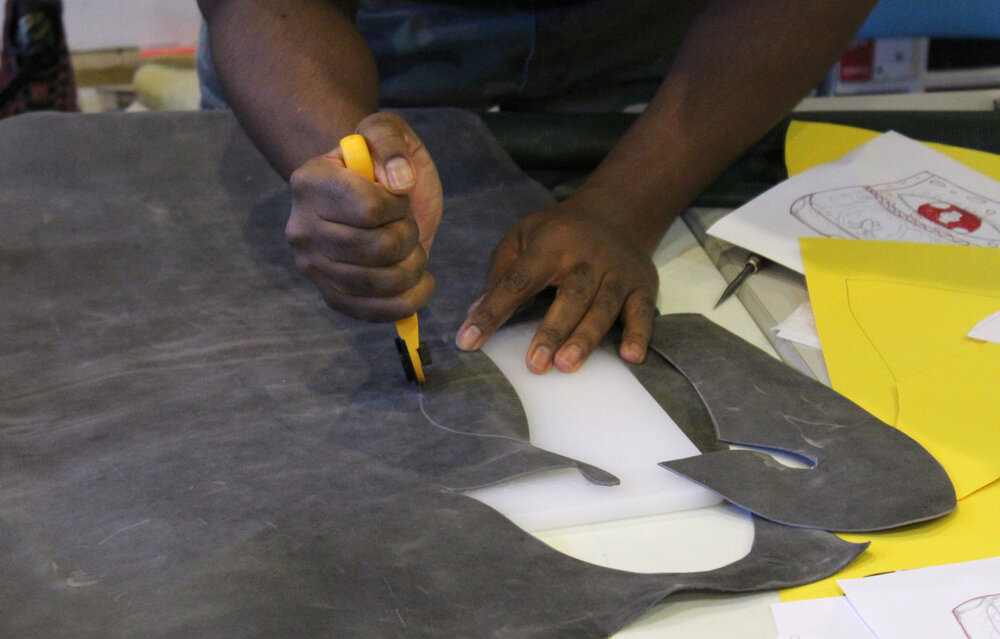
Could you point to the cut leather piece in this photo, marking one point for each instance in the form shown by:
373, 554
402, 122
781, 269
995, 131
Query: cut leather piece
865, 475
463, 428
672, 391
407, 586
192, 445
394, 559
779, 554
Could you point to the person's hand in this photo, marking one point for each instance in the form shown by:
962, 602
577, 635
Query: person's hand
365, 244
599, 273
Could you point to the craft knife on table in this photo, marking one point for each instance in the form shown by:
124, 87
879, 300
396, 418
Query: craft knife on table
751, 266
412, 353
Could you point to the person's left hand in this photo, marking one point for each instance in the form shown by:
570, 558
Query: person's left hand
600, 275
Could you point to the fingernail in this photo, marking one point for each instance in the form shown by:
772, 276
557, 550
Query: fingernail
467, 337
399, 173
568, 358
632, 353
540, 360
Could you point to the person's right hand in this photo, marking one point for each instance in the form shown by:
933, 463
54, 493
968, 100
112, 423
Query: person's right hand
365, 244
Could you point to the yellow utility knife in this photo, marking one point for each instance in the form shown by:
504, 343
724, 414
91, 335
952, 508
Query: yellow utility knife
412, 353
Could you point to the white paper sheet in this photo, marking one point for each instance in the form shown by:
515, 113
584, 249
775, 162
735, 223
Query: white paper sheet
800, 327
892, 188
987, 330
954, 601
832, 618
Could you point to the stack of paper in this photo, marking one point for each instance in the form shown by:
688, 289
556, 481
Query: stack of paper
957, 601
888, 188
905, 325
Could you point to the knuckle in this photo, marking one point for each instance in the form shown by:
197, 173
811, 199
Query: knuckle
646, 307
381, 119
305, 179
368, 210
299, 180
306, 265
615, 290
394, 242
643, 315
579, 291
638, 313
388, 133
485, 316
516, 280
296, 232
609, 307
560, 228
611, 299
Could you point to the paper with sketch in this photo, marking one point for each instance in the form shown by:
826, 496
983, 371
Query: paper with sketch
892, 188
956, 601
830, 618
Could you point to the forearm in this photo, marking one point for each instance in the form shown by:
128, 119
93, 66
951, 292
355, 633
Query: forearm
297, 73
742, 67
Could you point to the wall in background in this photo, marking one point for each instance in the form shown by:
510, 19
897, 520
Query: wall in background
111, 24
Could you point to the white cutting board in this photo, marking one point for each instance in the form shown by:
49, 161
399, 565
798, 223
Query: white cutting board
600, 415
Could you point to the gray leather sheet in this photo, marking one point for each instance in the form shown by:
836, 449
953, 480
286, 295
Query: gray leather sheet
863, 474
192, 445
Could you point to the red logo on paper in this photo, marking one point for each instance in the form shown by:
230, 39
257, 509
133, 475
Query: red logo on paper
950, 217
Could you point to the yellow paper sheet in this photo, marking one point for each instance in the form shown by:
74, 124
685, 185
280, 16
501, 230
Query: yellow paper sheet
873, 293
808, 144
971, 532
893, 319
968, 451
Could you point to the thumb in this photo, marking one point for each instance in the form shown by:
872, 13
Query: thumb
396, 151
404, 166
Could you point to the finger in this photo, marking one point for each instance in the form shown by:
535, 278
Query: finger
469, 335
380, 309
324, 188
524, 278
393, 145
382, 246
637, 326
506, 252
592, 327
573, 297
364, 281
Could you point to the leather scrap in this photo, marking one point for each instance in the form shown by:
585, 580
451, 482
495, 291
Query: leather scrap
863, 474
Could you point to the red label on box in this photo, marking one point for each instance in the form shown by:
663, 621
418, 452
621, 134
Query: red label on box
858, 63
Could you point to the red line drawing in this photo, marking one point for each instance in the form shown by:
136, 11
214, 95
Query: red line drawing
979, 617
921, 208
